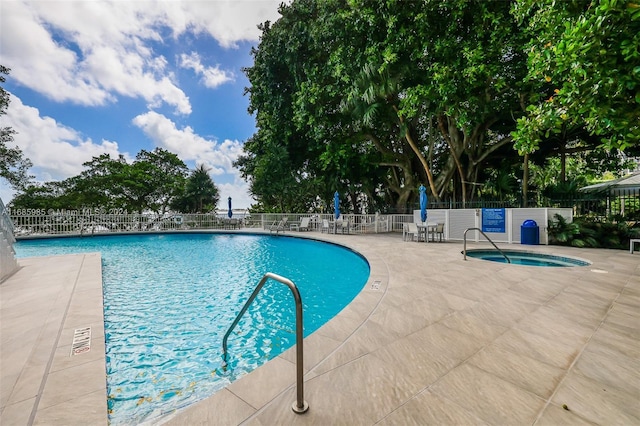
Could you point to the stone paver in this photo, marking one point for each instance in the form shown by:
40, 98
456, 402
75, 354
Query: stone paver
436, 340
41, 306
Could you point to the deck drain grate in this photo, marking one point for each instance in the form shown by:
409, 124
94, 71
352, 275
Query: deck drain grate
81, 341
375, 285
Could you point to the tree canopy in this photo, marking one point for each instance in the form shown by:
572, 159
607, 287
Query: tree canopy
471, 98
585, 56
373, 98
155, 181
200, 193
14, 167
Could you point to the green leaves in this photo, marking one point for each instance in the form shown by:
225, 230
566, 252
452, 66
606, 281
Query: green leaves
433, 91
200, 194
592, 58
14, 167
151, 182
589, 233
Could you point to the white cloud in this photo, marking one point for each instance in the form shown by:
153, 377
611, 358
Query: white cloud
230, 21
212, 77
98, 52
239, 193
189, 146
89, 52
57, 152
128, 73
38, 62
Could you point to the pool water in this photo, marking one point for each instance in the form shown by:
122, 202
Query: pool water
169, 299
526, 258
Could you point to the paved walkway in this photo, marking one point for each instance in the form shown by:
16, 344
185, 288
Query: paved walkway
431, 339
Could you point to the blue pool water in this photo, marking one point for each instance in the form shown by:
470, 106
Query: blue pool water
526, 258
169, 299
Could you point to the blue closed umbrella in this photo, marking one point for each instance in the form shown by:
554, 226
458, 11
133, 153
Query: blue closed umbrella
230, 213
336, 204
423, 203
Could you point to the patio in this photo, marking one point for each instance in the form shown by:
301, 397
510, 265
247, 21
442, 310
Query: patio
430, 339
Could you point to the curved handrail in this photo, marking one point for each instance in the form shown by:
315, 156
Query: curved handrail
464, 250
300, 405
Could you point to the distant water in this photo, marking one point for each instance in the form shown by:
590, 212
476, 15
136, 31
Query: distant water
169, 299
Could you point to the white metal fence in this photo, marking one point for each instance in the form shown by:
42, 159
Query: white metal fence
506, 228
72, 222
348, 223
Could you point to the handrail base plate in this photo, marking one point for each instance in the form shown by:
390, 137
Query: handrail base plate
299, 410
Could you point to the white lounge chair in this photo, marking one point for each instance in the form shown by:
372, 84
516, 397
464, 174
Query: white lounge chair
304, 224
280, 226
325, 226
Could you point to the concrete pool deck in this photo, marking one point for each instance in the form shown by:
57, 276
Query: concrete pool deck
431, 339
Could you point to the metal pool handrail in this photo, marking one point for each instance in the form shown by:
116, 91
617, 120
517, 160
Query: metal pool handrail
464, 250
300, 405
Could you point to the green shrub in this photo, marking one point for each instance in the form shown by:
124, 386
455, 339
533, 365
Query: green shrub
592, 233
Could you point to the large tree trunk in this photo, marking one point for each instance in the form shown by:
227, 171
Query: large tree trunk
403, 200
403, 186
445, 177
401, 181
418, 153
471, 143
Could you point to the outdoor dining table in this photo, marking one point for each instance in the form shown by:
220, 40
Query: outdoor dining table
425, 228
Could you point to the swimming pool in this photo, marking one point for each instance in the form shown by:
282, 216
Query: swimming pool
169, 298
527, 258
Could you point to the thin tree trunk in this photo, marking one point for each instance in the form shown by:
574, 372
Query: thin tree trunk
563, 165
525, 180
456, 159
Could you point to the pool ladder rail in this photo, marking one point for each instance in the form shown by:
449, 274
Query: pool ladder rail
300, 405
464, 250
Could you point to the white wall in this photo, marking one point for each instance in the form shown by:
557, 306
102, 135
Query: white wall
458, 220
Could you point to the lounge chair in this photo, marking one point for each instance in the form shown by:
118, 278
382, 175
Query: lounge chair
280, 226
325, 226
304, 224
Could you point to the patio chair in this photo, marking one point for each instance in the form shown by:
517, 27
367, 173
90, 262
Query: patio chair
410, 230
325, 226
437, 230
343, 225
280, 226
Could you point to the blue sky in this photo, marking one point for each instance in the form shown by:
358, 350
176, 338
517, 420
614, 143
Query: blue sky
93, 77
